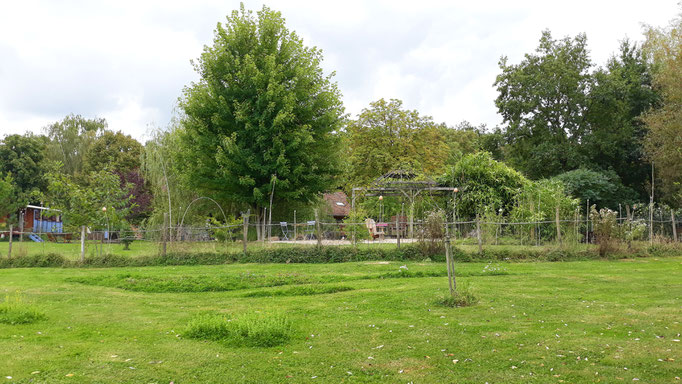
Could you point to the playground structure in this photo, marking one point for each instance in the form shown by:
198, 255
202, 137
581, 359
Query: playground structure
36, 220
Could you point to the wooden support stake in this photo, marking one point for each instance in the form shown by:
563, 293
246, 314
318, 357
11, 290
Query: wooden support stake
9, 253
246, 229
558, 226
397, 230
82, 243
21, 227
317, 230
164, 234
447, 260
672, 219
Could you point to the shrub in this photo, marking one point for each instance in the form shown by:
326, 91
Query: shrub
253, 330
605, 228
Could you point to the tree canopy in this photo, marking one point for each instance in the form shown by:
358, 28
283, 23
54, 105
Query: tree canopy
23, 156
115, 150
664, 139
543, 101
70, 140
262, 116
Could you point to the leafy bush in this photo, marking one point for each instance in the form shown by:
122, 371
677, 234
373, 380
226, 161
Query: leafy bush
253, 330
604, 189
13, 310
483, 183
354, 225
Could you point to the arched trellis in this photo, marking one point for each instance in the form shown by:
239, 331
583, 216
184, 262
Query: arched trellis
201, 198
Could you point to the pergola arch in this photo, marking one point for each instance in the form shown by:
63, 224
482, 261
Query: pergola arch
405, 183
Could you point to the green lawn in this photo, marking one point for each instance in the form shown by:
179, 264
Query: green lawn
588, 321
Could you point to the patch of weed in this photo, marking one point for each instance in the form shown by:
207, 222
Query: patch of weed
14, 310
463, 297
302, 290
252, 330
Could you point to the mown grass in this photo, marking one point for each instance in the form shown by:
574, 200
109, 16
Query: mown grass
529, 325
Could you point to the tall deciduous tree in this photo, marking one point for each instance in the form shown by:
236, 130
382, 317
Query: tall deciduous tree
543, 101
385, 137
262, 116
23, 157
114, 150
622, 91
8, 197
70, 140
664, 138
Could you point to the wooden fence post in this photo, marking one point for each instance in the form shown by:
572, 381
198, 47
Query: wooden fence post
246, 229
397, 230
9, 253
672, 218
318, 233
164, 234
448, 261
558, 226
21, 227
478, 234
82, 243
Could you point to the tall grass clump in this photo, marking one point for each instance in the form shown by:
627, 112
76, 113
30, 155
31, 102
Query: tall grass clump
14, 310
251, 330
463, 296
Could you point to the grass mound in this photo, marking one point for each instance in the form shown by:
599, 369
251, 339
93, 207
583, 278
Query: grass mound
222, 283
202, 283
302, 290
252, 330
13, 310
463, 297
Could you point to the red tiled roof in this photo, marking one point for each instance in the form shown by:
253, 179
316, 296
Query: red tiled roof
338, 203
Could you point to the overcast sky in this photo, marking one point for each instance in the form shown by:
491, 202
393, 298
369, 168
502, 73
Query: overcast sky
127, 61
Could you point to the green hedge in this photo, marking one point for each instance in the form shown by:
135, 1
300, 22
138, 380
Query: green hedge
307, 254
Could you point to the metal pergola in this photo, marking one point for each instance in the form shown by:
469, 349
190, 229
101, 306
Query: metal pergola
402, 183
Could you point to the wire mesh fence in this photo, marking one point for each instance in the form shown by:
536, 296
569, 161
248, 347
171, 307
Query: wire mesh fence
657, 226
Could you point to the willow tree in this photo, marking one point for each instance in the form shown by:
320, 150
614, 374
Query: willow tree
263, 117
664, 138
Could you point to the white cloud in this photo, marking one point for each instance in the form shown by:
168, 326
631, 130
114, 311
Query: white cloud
127, 61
